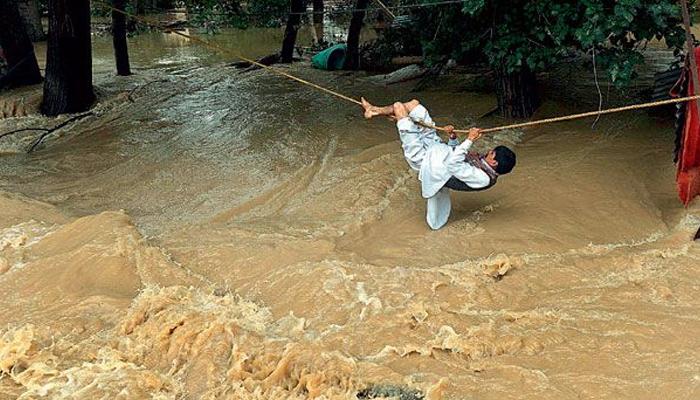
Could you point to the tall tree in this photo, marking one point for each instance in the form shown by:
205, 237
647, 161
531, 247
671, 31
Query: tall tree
143, 7
290, 32
121, 51
23, 68
318, 20
140, 7
352, 57
68, 83
520, 38
31, 16
516, 91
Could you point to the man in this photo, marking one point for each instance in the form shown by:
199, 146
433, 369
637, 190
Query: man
441, 167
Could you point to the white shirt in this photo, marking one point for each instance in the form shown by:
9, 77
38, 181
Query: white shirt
436, 163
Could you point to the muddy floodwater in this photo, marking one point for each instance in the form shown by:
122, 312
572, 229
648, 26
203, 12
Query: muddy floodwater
213, 234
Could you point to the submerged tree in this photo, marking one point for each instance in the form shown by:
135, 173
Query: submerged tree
352, 58
68, 83
318, 20
140, 6
23, 68
290, 33
121, 51
520, 38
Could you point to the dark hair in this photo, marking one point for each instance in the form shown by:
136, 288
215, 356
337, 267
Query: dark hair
506, 160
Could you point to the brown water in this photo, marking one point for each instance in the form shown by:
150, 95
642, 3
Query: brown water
229, 235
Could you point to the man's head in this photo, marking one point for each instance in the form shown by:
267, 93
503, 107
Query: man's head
501, 159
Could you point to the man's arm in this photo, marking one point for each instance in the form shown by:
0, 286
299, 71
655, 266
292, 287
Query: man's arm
462, 170
473, 135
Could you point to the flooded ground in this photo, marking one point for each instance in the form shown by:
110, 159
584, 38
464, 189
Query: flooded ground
218, 234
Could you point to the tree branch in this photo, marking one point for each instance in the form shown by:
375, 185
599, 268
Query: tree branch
57, 127
267, 60
597, 85
22, 130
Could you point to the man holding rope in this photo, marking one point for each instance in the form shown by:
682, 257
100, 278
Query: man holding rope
442, 167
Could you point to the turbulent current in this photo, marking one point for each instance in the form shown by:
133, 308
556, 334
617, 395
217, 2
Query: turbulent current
216, 234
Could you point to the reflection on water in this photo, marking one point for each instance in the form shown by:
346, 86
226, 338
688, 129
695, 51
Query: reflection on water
286, 255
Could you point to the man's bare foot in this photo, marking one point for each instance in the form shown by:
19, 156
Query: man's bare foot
370, 110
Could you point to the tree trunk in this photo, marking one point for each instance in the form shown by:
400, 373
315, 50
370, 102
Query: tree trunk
31, 17
18, 50
68, 84
121, 51
140, 7
318, 20
352, 57
517, 93
290, 33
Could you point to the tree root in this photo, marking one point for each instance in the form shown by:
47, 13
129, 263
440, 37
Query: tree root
57, 127
22, 130
48, 131
267, 61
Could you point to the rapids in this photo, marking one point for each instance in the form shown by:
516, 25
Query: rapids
217, 234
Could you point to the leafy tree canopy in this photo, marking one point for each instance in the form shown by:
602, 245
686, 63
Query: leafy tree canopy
514, 34
216, 13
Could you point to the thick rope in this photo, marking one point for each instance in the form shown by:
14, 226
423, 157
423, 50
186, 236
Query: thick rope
568, 117
230, 52
386, 9
350, 99
267, 67
588, 114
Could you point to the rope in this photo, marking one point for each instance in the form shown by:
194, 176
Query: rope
230, 52
350, 99
386, 9
589, 114
568, 117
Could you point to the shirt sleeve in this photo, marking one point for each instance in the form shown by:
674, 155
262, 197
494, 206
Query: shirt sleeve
462, 170
464, 147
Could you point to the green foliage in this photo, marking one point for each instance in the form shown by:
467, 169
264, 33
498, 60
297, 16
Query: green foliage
268, 13
214, 14
211, 15
514, 34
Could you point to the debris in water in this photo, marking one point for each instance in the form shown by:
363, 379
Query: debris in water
390, 391
498, 266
